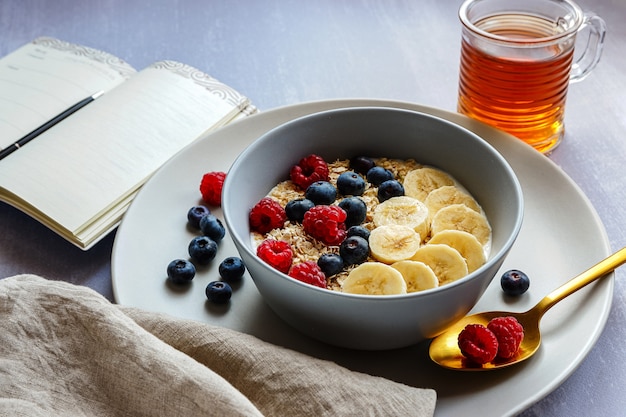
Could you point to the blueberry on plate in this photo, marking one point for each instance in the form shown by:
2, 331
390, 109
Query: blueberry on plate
350, 183
202, 249
388, 189
354, 250
295, 209
321, 193
355, 209
232, 269
362, 164
181, 271
212, 227
330, 264
378, 175
218, 292
195, 214
514, 282
358, 230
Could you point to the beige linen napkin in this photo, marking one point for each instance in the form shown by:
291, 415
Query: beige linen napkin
66, 351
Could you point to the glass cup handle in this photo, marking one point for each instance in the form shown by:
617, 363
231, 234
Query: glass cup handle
593, 48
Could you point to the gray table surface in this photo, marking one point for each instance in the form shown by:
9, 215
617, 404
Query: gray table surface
282, 52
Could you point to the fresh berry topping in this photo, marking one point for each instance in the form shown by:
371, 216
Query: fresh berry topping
356, 210
326, 224
212, 227
310, 169
232, 269
266, 215
378, 175
388, 189
218, 292
478, 343
202, 249
295, 209
358, 231
195, 214
350, 183
354, 250
181, 271
514, 282
509, 333
330, 264
321, 193
211, 187
362, 164
276, 253
308, 272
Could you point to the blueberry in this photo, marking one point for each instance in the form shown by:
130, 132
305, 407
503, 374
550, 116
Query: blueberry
361, 164
378, 175
358, 231
388, 189
514, 282
354, 250
232, 269
356, 210
321, 193
350, 183
212, 227
330, 264
195, 214
181, 271
295, 209
218, 292
202, 249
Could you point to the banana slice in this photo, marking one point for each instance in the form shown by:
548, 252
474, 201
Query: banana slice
468, 246
403, 210
446, 196
461, 217
418, 275
374, 278
418, 183
446, 262
393, 242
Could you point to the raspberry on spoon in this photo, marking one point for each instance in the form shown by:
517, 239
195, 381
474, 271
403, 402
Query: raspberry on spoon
478, 343
509, 333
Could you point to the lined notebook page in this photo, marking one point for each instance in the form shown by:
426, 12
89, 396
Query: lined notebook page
82, 167
45, 77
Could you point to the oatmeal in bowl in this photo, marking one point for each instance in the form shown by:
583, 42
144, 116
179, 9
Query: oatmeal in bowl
416, 224
353, 312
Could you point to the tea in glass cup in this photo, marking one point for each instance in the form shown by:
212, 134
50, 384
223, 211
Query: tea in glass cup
517, 61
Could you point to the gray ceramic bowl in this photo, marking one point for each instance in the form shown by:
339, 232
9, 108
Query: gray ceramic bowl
373, 322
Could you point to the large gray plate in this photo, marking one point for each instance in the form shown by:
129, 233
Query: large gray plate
561, 236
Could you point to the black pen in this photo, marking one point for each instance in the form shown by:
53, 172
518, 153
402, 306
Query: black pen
55, 120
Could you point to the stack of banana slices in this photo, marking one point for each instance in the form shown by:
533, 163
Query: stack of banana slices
433, 235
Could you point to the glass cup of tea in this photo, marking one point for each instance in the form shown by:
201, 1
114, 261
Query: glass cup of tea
517, 61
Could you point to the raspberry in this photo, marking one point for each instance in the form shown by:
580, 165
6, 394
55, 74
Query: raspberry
266, 215
310, 169
326, 224
308, 272
211, 187
276, 253
509, 333
478, 343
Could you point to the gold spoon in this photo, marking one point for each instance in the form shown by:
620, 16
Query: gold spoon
445, 351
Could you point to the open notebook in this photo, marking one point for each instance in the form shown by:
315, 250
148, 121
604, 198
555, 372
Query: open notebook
79, 177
